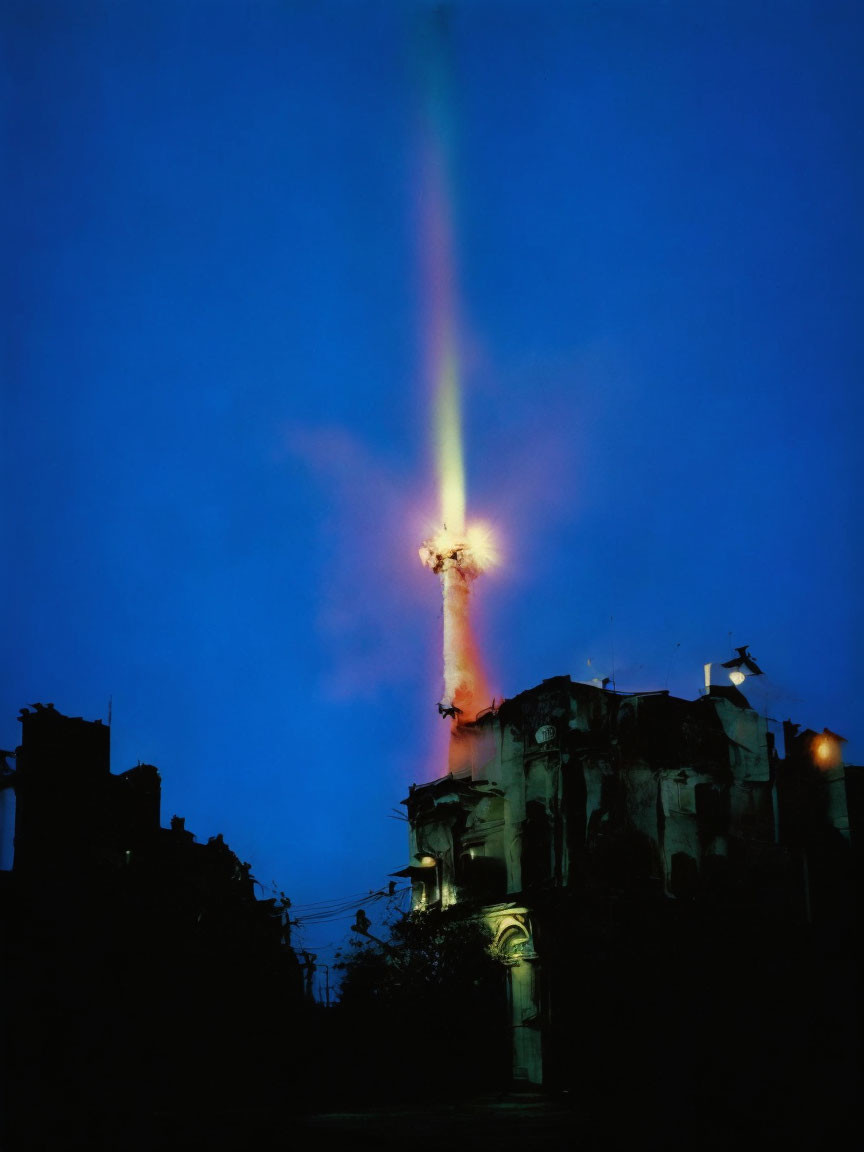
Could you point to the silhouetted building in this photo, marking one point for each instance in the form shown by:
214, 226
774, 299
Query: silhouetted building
151, 988
645, 861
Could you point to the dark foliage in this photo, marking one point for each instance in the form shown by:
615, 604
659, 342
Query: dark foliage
423, 1014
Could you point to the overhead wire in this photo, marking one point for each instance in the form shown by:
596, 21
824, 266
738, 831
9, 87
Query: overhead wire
337, 899
323, 917
322, 912
305, 925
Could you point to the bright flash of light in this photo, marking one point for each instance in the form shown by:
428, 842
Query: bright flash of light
472, 551
737, 678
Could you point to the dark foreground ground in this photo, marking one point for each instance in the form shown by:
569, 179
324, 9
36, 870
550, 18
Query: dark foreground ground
508, 1120
526, 1120
534, 1120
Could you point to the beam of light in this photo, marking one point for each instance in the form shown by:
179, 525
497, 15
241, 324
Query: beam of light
458, 552
439, 283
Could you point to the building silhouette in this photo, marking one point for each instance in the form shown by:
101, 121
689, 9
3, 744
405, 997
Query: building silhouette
147, 989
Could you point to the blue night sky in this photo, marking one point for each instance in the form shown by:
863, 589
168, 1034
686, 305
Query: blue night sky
216, 420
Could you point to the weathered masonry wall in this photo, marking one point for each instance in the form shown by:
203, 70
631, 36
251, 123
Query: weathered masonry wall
570, 787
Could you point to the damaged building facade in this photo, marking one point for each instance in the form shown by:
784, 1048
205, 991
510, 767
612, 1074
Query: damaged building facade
598, 831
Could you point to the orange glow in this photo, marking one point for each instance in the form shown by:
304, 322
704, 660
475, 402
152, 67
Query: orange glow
826, 752
459, 560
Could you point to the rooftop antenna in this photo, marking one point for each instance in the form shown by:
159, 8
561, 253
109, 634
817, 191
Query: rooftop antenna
110, 703
612, 627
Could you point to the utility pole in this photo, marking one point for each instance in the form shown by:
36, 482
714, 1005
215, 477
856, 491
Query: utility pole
308, 968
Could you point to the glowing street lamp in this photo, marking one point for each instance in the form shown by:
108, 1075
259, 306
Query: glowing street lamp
737, 670
826, 749
742, 666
